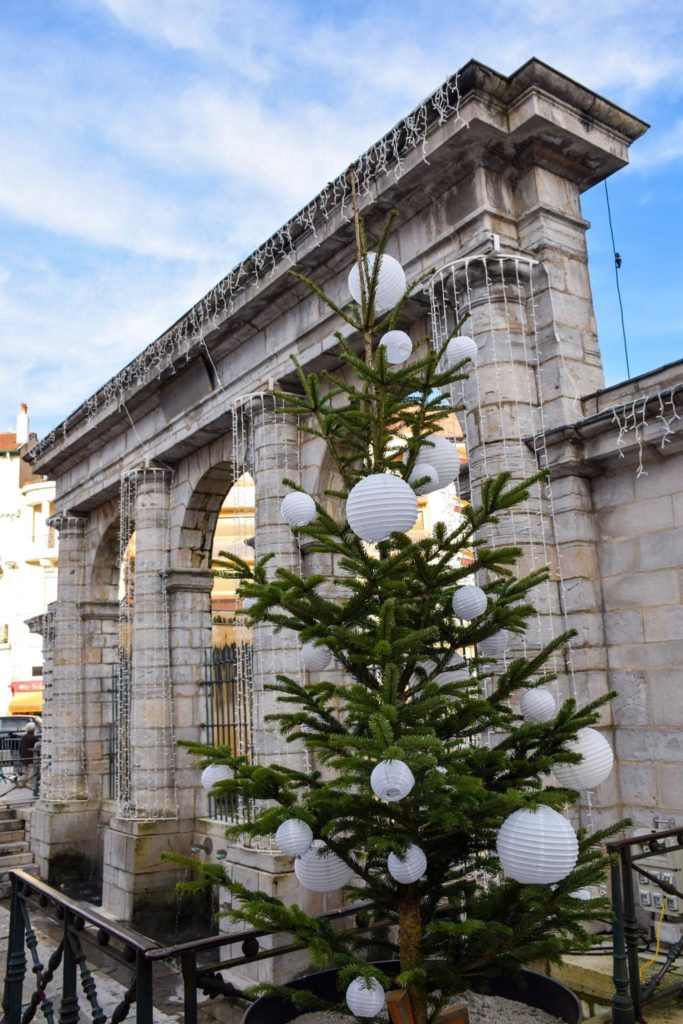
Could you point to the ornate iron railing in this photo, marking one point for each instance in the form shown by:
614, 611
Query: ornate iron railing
631, 993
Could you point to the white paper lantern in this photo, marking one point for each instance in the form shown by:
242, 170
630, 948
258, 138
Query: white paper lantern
380, 504
391, 780
294, 837
456, 671
495, 646
215, 773
469, 602
391, 283
398, 346
461, 348
424, 469
410, 868
581, 894
537, 847
249, 602
538, 705
443, 456
315, 658
597, 763
363, 1001
319, 871
298, 509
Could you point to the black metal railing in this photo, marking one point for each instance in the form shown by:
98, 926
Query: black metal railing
631, 992
83, 931
227, 692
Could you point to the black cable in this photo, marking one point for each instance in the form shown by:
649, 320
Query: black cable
617, 266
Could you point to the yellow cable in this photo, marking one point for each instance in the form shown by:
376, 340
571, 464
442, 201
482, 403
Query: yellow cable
644, 967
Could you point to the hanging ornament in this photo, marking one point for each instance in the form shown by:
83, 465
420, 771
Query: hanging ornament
461, 348
582, 894
391, 780
455, 671
597, 763
391, 282
443, 456
419, 473
469, 602
294, 837
298, 509
410, 867
320, 870
215, 773
248, 602
315, 658
398, 346
365, 998
495, 646
379, 505
537, 847
538, 705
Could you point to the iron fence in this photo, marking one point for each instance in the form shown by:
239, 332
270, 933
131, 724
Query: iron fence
227, 692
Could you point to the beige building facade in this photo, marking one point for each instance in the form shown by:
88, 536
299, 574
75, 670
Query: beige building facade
487, 175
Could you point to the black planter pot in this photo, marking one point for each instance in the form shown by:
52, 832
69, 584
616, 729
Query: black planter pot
536, 990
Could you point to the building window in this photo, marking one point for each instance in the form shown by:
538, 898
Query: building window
37, 670
4, 634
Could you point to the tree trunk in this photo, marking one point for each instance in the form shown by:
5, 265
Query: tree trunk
410, 951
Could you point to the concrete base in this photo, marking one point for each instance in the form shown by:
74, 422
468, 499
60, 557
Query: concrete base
137, 885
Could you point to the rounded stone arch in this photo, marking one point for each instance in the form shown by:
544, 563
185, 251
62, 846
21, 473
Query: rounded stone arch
192, 541
105, 566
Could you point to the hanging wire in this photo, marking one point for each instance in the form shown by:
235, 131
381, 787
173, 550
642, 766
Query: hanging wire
617, 268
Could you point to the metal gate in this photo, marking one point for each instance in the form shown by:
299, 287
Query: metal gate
227, 692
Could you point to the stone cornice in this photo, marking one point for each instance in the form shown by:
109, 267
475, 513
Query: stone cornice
197, 580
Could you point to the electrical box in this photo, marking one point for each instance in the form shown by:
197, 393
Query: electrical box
667, 867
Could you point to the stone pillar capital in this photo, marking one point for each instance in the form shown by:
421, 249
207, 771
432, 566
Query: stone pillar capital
196, 580
99, 609
69, 522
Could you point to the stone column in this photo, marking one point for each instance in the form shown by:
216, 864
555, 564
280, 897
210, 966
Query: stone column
63, 822
100, 635
276, 455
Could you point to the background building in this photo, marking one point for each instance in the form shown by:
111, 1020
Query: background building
28, 570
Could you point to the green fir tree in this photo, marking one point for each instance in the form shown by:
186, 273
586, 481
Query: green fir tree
392, 629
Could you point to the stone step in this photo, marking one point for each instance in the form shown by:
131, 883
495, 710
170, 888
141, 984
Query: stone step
10, 850
13, 836
15, 860
7, 813
10, 824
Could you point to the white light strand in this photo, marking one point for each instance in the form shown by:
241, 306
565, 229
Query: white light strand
383, 158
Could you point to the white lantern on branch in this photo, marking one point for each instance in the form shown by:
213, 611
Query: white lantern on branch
315, 658
537, 847
214, 773
298, 509
469, 602
365, 998
596, 765
391, 282
294, 837
461, 347
538, 705
408, 868
391, 780
397, 345
320, 870
379, 505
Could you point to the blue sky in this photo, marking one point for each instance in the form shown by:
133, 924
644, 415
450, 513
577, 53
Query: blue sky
148, 145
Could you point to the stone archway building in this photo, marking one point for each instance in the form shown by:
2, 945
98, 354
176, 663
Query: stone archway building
507, 161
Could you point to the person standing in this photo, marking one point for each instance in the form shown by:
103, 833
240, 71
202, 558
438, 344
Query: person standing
26, 753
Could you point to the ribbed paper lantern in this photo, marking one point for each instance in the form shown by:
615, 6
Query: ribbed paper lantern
315, 658
391, 780
456, 671
390, 286
581, 894
469, 602
298, 509
215, 773
424, 469
410, 868
443, 456
398, 346
363, 1001
538, 705
294, 837
249, 602
537, 847
495, 646
321, 872
461, 348
380, 504
596, 765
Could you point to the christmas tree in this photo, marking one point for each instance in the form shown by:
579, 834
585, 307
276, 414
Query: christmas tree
409, 806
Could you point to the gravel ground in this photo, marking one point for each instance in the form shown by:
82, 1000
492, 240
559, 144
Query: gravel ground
483, 1010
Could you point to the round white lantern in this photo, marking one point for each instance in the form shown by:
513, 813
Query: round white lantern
391, 780
456, 671
469, 602
538, 705
321, 871
538, 847
249, 602
422, 470
379, 505
398, 346
596, 765
294, 837
409, 868
215, 773
365, 998
315, 658
391, 283
581, 894
495, 646
298, 509
443, 456
461, 348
